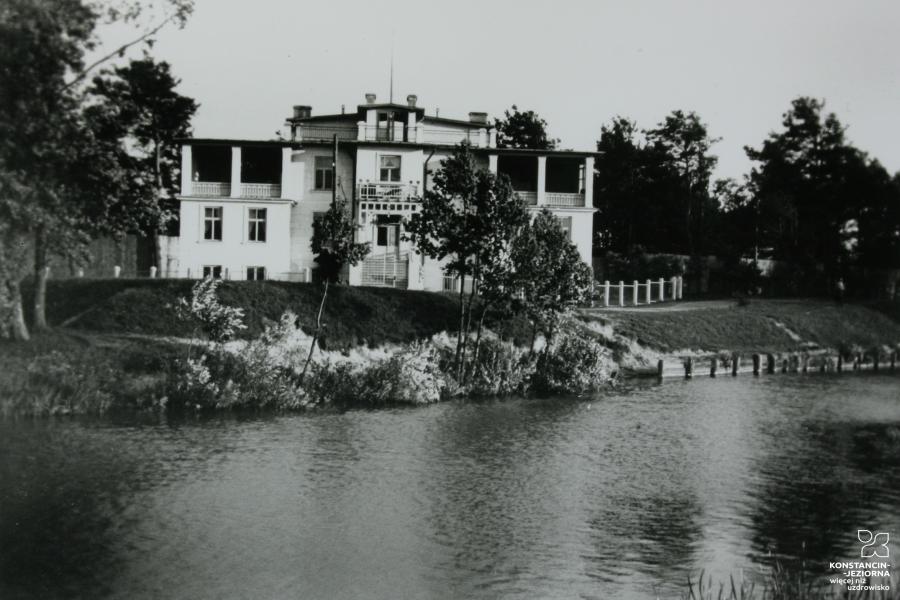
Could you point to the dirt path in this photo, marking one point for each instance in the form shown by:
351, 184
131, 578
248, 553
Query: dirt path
665, 307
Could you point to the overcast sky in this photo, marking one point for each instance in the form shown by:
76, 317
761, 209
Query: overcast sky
578, 64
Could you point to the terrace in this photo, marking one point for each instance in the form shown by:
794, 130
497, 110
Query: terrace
553, 181
218, 170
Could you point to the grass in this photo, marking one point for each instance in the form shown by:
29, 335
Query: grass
353, 316
754, 327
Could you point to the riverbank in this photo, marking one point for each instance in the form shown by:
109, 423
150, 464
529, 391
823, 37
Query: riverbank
117, 344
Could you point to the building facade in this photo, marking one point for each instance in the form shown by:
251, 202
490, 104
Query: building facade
248, 207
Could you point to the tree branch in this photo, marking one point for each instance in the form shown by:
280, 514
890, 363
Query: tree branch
121, 49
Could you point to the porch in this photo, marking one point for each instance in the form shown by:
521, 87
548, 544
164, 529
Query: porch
223, 171
548, 180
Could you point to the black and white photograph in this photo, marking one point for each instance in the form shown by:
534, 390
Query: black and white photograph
404, 299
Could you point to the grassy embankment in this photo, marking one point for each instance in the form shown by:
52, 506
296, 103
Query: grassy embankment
117, 334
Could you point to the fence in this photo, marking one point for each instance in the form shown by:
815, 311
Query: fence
876, 360
302, 276
386, 270
639, 294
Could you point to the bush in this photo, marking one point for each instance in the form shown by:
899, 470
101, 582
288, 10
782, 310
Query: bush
574, 364
502, 369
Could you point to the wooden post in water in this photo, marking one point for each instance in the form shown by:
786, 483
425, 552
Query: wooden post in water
875, 360
857, 363
688, 367
770, 364
784, 365
840, 362
735, 363
756, 362
795, 363
713, 365
822, 364
659, 368
893, 360
804, 361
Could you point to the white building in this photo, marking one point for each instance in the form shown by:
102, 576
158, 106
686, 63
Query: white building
247, 207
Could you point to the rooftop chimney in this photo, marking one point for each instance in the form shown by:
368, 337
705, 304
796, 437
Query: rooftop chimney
370, 98
478, 117
411, 100
302, 112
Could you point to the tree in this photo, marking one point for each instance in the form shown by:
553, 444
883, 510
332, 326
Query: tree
523, 129
53, 174
467, 220
138, 103
332, 243
551, 276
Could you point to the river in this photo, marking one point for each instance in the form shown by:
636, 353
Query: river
621, 495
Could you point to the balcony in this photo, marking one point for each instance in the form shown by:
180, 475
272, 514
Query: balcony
387, 191
563, 199
260, 190
529, 198
327, 132
210, 188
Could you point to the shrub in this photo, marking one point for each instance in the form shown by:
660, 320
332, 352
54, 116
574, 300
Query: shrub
501, 369
207, 314
573, 364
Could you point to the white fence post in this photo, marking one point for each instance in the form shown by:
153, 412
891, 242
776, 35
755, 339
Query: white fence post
80, 273
680, 287
649, 295
674, 289
621, 293
307, 275
662, 289
635, 294
606, 293
117, 270
152, 272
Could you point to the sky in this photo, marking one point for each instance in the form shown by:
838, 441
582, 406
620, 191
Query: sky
577, 64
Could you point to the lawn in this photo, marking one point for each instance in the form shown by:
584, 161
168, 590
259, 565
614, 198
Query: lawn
755, 327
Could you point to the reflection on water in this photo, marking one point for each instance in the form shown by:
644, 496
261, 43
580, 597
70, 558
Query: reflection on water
618, 496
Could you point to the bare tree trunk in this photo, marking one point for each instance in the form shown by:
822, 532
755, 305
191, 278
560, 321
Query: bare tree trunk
315, 339
40, 280
462, 320
12, 317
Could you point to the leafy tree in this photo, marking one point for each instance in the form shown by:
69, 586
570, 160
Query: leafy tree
54, 175
551, 276
523, 129
621, 188
332, 243
138, 103
467, 221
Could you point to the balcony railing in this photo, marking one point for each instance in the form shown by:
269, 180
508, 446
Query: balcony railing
210, 188
260, 190
325, 132
387, 191
529, 198
452, 137
564, 199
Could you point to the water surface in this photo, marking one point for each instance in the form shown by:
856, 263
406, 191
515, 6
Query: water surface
621, 495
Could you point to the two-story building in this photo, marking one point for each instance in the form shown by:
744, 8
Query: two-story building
248, 207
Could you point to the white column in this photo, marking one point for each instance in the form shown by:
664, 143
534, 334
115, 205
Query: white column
187, 168
287, 189
492, 138
236, 172
371, 124
589, 181
492, 163
360, 130
482, 138
411, 127
542, 180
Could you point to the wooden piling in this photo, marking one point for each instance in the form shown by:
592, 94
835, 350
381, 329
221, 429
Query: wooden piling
857, 363
822, 364
659, 368
804, 362
756, 365
840, 362
875, 361
713, 365
893, 360
735, 363
688, 367
770, 364
784, 365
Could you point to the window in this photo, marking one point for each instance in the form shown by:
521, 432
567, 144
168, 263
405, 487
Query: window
256, 221
256, 273
566, 223
212, 223
214, 271
324, 173
387, 235
390, 168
